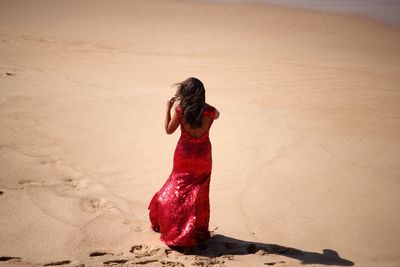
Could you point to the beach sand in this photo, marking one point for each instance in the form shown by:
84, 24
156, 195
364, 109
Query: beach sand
306, 162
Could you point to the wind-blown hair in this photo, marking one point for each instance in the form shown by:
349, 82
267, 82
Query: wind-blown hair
192, 99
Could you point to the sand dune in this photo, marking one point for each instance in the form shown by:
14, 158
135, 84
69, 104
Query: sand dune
306, 152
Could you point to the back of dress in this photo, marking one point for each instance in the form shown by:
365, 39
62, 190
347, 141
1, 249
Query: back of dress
209, 111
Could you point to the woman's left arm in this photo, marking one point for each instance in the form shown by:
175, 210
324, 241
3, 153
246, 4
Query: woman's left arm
171, 124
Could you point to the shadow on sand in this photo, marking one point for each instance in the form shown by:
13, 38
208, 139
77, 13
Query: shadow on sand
219, 245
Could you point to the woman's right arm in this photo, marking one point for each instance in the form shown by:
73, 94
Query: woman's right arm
171, 124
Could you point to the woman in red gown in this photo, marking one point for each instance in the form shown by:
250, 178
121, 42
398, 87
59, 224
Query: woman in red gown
180, 211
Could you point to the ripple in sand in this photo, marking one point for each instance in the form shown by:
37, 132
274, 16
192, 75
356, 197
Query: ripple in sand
8, 258
56, 263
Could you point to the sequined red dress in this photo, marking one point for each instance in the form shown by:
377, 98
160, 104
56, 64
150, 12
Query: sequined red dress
180, 211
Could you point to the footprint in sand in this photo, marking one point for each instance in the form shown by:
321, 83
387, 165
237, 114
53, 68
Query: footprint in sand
32, 182
94, 204
99, 254
141, 251
113, 262
206, 261
146, 255
8, 74
136, 248
75, 183
168, 251
172, 264
48, 161
135, 228
273, 263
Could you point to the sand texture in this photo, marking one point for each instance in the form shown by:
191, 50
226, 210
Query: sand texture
306, 153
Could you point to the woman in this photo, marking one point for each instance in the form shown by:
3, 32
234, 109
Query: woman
180, 211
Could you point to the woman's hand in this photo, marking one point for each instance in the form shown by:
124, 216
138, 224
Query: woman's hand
170, 103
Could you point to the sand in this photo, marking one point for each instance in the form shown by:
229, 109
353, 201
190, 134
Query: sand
306, 151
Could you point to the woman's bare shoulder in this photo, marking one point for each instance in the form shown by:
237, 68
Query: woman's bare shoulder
213, 109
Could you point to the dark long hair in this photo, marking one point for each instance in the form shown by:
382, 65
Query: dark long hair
192, 97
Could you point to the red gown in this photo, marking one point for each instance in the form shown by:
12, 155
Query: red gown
180, 211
